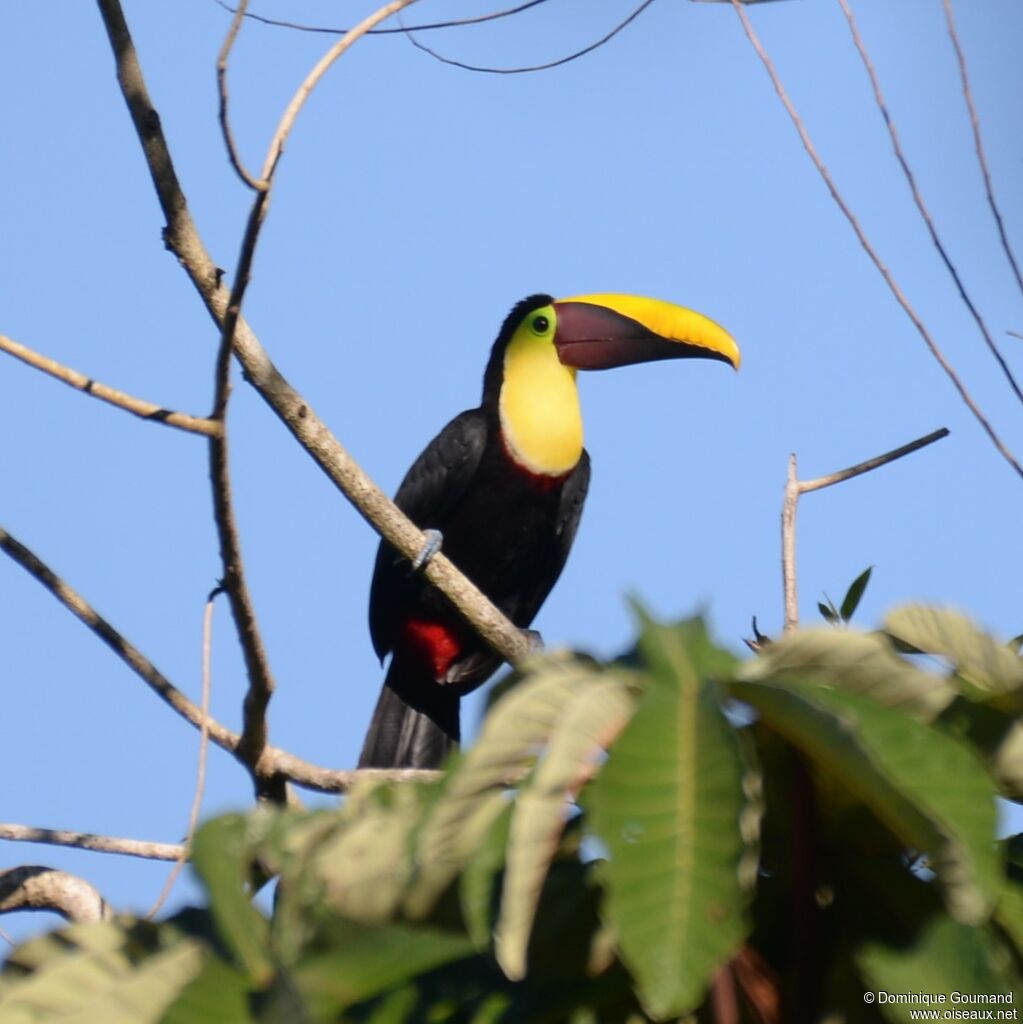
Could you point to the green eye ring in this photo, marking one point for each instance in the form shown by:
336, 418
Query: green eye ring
540, 324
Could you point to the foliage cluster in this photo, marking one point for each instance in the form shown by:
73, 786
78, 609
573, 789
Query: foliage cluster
678, 834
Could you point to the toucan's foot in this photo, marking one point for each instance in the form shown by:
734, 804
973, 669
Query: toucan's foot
534, 639
434, 539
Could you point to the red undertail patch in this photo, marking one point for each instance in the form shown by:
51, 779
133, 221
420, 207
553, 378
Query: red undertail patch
433, 643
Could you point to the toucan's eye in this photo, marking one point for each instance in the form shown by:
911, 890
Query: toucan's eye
540, 324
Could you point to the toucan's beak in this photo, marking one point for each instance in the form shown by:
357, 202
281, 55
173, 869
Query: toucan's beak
598, 332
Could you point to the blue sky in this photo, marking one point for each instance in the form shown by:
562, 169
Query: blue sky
415, 204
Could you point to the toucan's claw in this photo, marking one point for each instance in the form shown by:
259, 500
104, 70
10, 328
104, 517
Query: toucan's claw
534, 639
434, 539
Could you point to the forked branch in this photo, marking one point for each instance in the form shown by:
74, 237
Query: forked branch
308, 429
274, 762
795, 488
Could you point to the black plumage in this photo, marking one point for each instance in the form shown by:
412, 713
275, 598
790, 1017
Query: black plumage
510, 531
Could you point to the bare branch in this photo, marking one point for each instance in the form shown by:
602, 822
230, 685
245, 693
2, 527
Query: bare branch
33, 887
200, 774
261, 683
225, 121
794, 488
430, 26
918, 199
137, 406
979, 143
307, 428
122, 647
275, 761
822, 169
89, 841
533, 67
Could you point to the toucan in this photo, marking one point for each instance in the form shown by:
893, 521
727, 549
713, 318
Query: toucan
502, 488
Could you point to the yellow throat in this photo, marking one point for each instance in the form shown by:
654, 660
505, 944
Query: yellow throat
539, 406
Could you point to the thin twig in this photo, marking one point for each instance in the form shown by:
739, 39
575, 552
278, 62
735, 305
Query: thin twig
34, 887
431, 26
309, 430
790, 505
979, 144
4, 937
225, 121
89, 841
795, 488
320, 68
137, 406
1015, 334
533, 67
918, 199
925, 334
261, 684
200, 773
805, 486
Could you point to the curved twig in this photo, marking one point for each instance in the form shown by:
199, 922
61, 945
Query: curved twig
320, 68
33, 887
200, 773
825, 174
429, 27
222, 115
136, 406
533, 67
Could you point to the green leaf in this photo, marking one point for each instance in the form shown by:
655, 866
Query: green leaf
473, 793
928, 788
998, 738
222, 854
117, 972
1009, 914
589, 722
217, 993
667, 805
828, 612
862, 663
361, 962
365, 865
992, 669
854, 594
946, 957
477, 886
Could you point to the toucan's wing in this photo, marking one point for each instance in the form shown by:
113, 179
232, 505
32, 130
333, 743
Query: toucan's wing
570, 511
526, 603
432, 488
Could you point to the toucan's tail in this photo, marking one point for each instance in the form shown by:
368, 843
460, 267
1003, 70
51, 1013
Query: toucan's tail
415, 722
